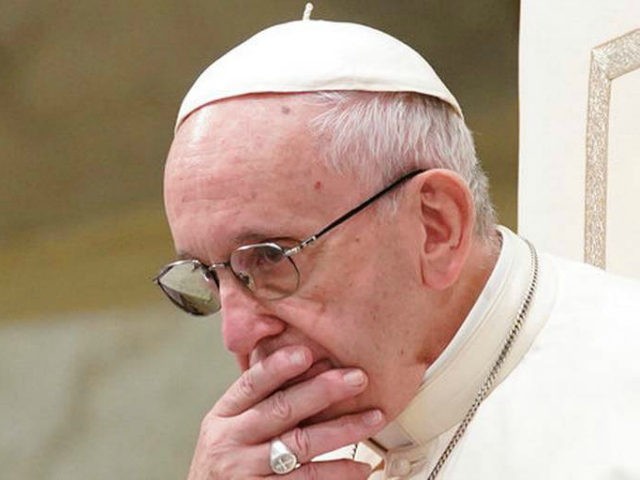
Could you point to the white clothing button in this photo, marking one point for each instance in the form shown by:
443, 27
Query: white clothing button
399, 467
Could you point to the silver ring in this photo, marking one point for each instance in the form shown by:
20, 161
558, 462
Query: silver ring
281, 458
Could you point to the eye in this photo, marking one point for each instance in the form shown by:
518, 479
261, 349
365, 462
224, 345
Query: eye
262, 258
271, 255
259, 257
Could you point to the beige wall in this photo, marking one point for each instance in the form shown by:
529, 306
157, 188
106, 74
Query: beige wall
100, 378
116, 394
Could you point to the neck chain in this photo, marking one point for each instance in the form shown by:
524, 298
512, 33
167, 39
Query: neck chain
493, 374
484, 391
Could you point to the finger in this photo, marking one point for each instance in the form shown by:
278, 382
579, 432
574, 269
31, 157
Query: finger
309, 442
286, 408
334, 470
262, 379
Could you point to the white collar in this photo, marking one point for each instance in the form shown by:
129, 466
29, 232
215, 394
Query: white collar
452, 381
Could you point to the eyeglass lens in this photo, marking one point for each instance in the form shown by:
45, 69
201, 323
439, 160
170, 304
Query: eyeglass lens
190, 287
264, 269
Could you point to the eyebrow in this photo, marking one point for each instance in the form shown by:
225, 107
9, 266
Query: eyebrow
244, 238
252, 236
180, 255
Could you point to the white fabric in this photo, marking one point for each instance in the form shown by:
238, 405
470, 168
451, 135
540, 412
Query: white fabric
315, 55
569, 406
484, 302
559, 42
450, 383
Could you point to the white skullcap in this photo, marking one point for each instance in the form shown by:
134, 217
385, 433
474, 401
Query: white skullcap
315, 55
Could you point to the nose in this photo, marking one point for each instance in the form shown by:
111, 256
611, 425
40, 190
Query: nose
245, 320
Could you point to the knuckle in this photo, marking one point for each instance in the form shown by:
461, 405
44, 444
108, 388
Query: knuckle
206, 424
247, 385
301, 442
209, 430
279, 407
312, 471
238, 397
222, 465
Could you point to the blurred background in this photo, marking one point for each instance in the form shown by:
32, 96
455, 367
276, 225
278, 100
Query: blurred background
101, 377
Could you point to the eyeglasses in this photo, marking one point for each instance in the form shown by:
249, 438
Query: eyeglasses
266, 269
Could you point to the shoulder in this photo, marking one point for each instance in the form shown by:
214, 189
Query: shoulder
594, 311
591, 286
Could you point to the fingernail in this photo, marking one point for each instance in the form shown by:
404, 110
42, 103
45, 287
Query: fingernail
353, 377
298, 357
372, 418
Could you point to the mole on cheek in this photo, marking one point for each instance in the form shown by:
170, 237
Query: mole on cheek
286, 110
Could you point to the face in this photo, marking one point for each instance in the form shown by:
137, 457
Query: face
248, 170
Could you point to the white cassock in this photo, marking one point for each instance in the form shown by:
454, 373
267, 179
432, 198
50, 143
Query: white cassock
567, 402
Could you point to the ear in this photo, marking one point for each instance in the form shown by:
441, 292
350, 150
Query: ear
447, 217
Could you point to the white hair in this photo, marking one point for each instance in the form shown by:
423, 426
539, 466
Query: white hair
384, 135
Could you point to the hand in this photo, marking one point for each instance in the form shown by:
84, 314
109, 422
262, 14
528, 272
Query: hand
235, 435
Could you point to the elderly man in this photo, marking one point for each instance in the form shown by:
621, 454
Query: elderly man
324, 196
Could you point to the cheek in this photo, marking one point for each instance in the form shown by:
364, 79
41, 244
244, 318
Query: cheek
352, 295
374, 305
354, 287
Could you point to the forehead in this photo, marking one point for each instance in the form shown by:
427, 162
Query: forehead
250, 166
268, 134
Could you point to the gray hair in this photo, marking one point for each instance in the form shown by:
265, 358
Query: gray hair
383, 135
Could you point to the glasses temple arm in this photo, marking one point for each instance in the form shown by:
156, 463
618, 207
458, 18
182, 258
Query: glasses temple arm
360, 207
308, 241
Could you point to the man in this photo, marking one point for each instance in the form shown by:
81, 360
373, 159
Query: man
324, 195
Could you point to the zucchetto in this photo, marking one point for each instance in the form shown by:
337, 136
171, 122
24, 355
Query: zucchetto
315, 55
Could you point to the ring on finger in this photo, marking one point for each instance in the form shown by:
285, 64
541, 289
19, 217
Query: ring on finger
281, 459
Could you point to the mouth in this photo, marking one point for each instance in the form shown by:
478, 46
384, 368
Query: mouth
314, 370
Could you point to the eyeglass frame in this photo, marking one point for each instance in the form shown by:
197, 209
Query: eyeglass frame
286, 252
